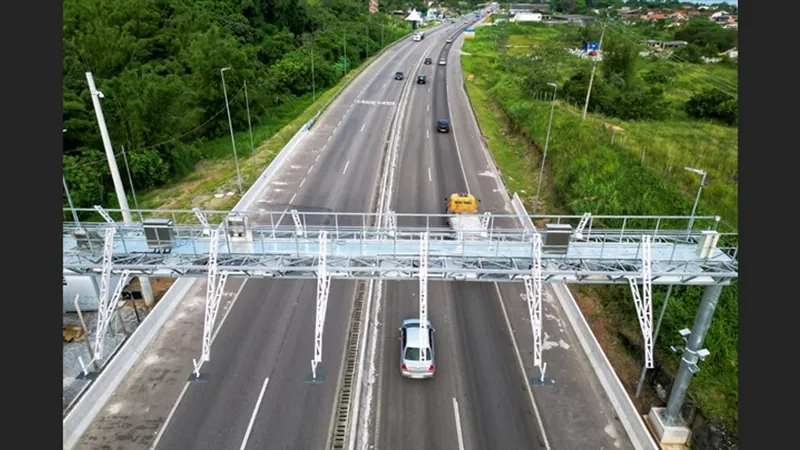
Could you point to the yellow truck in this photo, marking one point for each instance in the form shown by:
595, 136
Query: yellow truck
463, 208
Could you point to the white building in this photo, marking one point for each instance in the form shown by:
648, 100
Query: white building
527, 17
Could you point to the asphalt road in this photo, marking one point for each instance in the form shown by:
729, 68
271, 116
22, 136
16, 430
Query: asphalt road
260, 360
478, 397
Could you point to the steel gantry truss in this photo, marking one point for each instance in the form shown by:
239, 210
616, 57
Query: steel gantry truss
533, 294
644, 302
345, 246
323, 288
423, 287
108, 304
214, 290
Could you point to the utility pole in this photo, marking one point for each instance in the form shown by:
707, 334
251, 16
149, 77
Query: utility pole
249, 125
313, 79
130, 182
691, 354
144, 282
230, 125
594, 68
69, 200
546, 142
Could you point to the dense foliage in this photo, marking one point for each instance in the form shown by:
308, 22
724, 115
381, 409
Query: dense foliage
592, 174
712, 104
158, 64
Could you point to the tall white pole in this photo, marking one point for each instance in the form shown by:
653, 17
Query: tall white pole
144, 282
703, 173
112, 162
546, 143
249, 125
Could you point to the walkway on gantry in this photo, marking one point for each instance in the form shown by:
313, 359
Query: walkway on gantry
324, 245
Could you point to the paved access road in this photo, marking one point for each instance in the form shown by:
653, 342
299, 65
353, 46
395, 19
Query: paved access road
257, 394
479, 398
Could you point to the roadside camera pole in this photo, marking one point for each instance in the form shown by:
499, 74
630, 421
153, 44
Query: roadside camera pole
594, 68
691, 354
144, 282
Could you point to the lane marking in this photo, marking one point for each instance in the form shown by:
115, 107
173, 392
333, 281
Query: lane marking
302, 182
429, 174
429, 90
362, 128
345, 167
429, 107
522, 368
308, 172
427, 134
458, 425
323, 147
340, 122
330, 137
186, 385
317, 158
292, 200
253, 417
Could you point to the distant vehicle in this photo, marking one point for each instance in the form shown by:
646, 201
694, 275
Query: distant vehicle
415, 342
449, 41
418, 36
443, 126
421, 78
428, 60
398, 76
442, 62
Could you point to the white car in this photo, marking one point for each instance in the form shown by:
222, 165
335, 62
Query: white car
442, 62
449, 40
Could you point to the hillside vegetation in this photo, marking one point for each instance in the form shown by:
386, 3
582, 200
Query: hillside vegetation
594, 167
158, 65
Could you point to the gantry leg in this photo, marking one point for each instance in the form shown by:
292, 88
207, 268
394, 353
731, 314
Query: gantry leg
644, 303
323, 289
214, 290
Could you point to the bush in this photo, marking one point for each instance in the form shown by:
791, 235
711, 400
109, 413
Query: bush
714, 104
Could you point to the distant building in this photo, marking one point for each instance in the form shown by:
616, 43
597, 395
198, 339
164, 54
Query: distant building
527, 17
519, 8
373, 6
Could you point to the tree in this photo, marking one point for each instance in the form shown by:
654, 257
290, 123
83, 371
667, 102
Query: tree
713, 104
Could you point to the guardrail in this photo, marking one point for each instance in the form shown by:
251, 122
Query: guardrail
95, 396
631, 420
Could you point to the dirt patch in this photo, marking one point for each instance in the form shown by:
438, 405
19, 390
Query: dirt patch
160, 286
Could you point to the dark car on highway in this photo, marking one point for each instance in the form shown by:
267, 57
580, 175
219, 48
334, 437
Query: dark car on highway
443, 126
428, 60
398, 76
421, 78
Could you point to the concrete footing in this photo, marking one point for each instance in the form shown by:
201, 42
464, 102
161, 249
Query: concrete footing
667, 436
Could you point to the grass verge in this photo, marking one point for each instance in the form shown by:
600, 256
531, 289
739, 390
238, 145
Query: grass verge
585, 171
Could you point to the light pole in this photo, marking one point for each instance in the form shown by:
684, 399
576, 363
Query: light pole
313, 78
230, 125
546, 143
249, 125
703, 174
144, 282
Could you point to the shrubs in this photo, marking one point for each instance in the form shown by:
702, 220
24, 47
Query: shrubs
714, 104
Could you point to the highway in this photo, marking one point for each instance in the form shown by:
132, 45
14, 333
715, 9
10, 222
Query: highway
257, 394
476, 398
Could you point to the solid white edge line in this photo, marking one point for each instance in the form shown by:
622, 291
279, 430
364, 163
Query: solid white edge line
458, 425
522, 368
186, 386
455, 139
255, 412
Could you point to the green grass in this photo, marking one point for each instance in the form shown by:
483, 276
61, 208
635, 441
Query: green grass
589, 173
